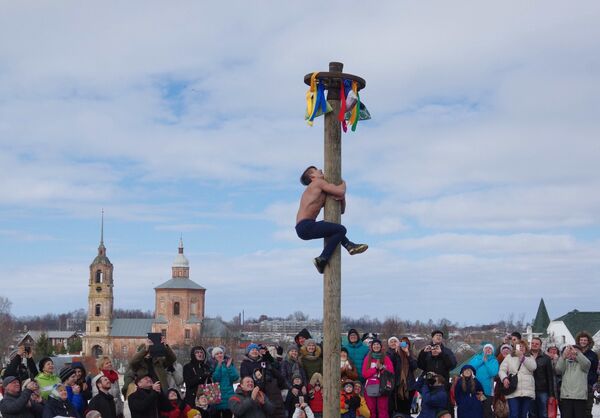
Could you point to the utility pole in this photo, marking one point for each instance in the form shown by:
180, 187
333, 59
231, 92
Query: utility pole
332, 279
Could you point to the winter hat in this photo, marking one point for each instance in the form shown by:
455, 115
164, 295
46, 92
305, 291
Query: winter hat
376, 340
42, 363
437, 331
489, 345
291, 347
216, 351
303, 333
355, 332
54, 392
139, 376
442, 413
296, 376
344, 349
505, 346
369, 335
393, 339
96, 379
309, 341
93, 414
347, 382
192, 413
8, 380
65, 373
78, 365
173, 389
468, 366
251, 347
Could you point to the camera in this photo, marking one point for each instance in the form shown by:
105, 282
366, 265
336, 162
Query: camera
430, 378
403, 344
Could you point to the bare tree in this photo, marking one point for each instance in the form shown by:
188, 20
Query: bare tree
6, 324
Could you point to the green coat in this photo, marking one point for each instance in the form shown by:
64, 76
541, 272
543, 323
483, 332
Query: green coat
46, 381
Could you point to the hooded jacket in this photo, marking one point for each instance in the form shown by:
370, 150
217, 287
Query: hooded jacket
242, 405
357, 352
303, 333
312, 363
156, 367
469, 406
173, 409
485, 370
195, 373
434, 400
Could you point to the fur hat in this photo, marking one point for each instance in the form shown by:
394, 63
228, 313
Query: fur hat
437, 331
65, 373
393, 339
42, 363
347, 382
316, 377
353, 331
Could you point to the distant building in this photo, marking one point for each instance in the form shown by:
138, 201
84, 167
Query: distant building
564, 329
55, 338
179, 310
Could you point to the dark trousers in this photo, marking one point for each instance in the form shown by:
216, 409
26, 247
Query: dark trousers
222, 413
333, 233
572, 408
487, 407
401, 405
519, 406
539, 406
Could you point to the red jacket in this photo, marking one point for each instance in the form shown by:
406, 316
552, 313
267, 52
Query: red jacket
176, 412
316, 400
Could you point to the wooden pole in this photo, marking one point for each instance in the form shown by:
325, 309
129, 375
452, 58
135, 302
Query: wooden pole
332, 278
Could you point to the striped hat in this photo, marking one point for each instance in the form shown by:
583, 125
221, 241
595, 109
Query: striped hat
65, 373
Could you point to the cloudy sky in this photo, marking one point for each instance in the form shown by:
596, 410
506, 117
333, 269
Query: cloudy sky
476, 183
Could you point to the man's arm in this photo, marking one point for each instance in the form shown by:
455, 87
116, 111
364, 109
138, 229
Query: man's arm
337, 191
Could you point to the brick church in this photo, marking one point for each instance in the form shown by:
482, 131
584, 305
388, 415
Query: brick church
178, 313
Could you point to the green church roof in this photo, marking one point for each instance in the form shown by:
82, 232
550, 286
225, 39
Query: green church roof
577, 321
542, 319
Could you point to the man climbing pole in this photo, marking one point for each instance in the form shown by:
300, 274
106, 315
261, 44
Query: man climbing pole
307, 228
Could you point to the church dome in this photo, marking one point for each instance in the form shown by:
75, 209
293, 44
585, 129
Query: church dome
180, 259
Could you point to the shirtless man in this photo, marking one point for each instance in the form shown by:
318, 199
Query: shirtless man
313, 199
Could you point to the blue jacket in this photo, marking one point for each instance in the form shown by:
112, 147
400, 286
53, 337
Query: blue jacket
76, 400
226, 376
468, 404
434, 400
485, 371
357, 352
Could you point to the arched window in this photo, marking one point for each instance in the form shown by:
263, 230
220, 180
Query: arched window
176, 308
98, 309
97, 329
99, 276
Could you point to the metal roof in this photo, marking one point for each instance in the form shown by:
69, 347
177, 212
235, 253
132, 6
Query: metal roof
577, 321
179, 283
131, 327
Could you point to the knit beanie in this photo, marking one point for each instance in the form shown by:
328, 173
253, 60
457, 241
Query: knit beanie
216, 351
505, 346
65, 373
42, 363
393, 339
251, 347
376, 340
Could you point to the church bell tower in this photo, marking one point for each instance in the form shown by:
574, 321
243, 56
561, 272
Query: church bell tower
100, 302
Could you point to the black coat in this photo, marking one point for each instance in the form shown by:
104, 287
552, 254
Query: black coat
544, 375
144, 403
195, 374
19, 370
242, 405
441, 364
58, 407
105, 404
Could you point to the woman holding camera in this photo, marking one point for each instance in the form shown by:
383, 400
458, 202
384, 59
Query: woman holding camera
374, 364
521, 364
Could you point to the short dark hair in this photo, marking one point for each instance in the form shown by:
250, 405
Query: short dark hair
516, 334
537, 338
305, 177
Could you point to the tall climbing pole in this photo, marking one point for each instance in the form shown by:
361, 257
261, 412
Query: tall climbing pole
332, 279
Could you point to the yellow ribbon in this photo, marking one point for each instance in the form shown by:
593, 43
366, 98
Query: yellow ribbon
354, 114
311, 98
